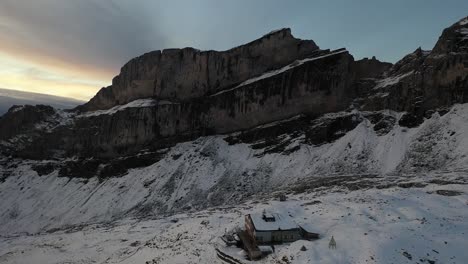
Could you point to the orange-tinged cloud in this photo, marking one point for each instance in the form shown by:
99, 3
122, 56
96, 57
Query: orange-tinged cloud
72, 48
39, 59
71, 90
31, 77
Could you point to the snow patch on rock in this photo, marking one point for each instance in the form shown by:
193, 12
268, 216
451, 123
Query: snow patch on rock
392, 80
281, 70
463, 22
140, 103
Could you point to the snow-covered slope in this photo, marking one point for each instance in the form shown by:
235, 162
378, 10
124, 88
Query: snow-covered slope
392, 225
210, 172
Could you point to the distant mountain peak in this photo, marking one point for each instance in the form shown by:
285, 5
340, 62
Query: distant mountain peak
286, 31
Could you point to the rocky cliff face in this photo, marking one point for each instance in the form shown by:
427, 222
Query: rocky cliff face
312, 86
164, 98
21, 119
424, 81
183, 74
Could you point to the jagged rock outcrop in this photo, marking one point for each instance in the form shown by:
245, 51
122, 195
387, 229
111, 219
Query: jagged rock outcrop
21, 119
426, 80
370, 68
182, 74
313, 86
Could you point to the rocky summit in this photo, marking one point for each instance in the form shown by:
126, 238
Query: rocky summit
186, 74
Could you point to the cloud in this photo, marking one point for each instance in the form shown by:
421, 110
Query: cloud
92, 37
23, 76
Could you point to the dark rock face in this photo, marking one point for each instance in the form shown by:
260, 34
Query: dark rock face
182, 74
453, 39
370, 68
44, 169
80, 169
426, 80
101, 168
448, 193
113, 135
120, 166
316, 131
315, 87
20, 119
410, 120
382, 123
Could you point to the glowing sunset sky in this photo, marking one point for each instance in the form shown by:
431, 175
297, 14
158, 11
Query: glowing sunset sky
73, 48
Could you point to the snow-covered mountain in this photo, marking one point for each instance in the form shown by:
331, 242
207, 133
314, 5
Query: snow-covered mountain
211, 171
184, 143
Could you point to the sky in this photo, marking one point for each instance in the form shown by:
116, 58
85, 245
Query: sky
73, 48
